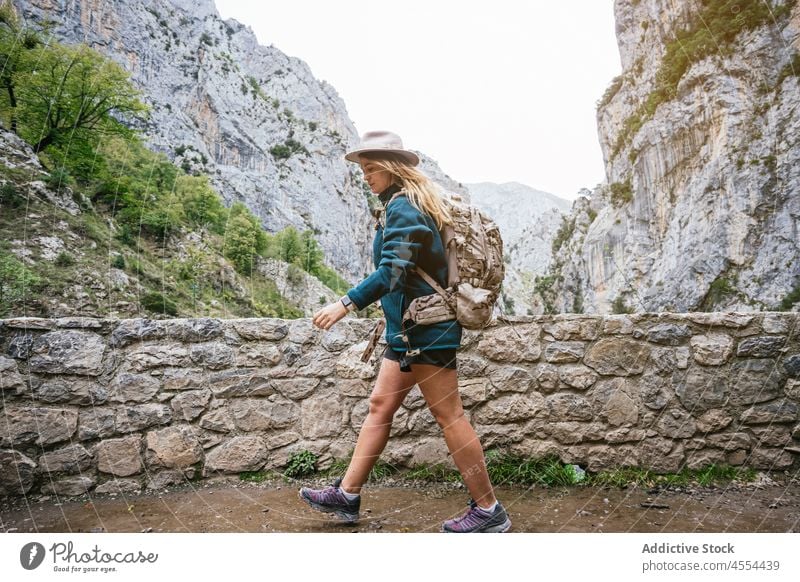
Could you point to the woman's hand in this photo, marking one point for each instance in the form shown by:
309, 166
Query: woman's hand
328, 315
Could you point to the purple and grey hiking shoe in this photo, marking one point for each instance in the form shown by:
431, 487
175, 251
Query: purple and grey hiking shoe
478, 520
332, 500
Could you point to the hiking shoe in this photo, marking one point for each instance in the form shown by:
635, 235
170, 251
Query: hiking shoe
478, 520
332, 500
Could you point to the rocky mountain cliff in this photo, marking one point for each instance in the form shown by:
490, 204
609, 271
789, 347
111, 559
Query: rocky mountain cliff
699, 136
256, 120
266, 131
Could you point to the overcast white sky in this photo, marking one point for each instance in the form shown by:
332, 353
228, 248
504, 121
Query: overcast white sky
495, 91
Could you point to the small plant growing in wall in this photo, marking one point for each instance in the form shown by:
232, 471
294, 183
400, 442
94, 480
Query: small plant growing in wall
301, 464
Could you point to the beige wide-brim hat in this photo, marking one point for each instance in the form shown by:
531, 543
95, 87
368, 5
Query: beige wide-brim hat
382, 141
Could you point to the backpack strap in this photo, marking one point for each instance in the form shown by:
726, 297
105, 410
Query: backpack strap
432, 282
383, 211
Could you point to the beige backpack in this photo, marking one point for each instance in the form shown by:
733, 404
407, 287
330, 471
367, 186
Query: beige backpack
474, 252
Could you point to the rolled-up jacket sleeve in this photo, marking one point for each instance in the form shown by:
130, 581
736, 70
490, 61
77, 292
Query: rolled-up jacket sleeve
404, 235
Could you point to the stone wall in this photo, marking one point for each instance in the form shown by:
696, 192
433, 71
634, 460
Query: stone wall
121, 405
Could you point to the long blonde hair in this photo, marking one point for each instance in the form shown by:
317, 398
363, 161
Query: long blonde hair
422, 192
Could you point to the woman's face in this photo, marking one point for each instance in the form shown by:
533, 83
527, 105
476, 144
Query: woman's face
377, 178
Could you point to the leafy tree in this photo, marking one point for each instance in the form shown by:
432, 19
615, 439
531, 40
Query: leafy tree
202, 206
239, 209
74, 93
311, 257
15, 43
241, 243
288, 245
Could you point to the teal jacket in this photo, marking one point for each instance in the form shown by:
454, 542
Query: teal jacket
409, 238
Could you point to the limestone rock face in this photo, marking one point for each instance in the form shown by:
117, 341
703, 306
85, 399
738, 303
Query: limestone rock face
698, 210
254, 119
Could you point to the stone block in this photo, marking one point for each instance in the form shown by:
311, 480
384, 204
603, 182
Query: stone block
617, 356
120, 457
17, 473
239, 454
174, 447
68, 352
713, 349
41, 426
191, 404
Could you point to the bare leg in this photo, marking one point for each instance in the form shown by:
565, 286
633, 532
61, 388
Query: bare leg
390, 390
440, 388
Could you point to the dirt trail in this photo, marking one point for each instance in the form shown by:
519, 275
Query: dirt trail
232, 506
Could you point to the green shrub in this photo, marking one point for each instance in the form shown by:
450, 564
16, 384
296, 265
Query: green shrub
543, 286
280, 152
16, 281
619, 306
611, 91
791, 69
301, 464
720, 288
564, 233
244, 238
201, 206
10, 197
621, 193
791, 298
285, 150
59, 178
295, 146
437, 472
705, 476
295, 275
118, 262
508, 469
126, 235
64, 259
158, 303
332, 280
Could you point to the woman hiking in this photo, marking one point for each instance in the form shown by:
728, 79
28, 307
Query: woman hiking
423, 354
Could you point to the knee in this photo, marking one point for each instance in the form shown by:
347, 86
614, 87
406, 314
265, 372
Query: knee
381, 408
447, 418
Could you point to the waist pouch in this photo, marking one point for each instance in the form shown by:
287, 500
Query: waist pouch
429, 309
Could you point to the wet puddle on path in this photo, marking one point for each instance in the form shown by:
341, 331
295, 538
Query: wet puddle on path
263, 507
